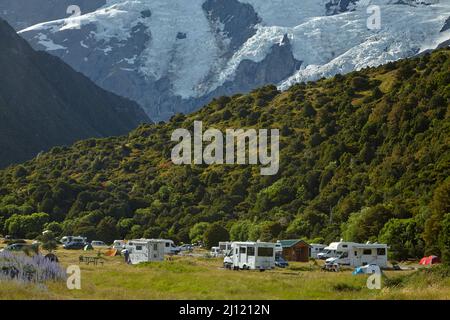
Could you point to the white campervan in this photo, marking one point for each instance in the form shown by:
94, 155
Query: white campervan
170, 247
119, 244
335, 249
224, 247
359, 254
145, 250
251, 256
315, 249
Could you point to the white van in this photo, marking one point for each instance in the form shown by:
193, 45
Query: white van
316, 249
144, 250
169, 246
215, 252
69, 239
119, 244
251, 256
224, 247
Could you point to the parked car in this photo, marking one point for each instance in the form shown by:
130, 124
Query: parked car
74, 245
280, 262
99, 244
186, 247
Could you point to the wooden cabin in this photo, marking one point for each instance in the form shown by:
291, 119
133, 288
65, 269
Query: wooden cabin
295, 250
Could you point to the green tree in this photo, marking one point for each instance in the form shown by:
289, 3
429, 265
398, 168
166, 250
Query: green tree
366, 224
440, 206
106, 230
444, 239
214, 234
197, 232
26, 226
48, 241
403, 237
240, 230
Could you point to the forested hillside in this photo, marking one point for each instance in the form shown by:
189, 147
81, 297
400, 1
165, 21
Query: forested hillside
363, 156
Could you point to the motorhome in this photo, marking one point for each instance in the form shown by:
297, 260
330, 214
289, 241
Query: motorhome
359, 254
278, 248
215, 252
169, 246
315, 249
145, 250
251, 256
334, 250
73, 239
224, 247
119, 244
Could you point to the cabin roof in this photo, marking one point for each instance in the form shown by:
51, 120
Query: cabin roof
292, 242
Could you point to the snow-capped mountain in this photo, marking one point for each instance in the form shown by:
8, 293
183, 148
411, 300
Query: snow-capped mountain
175, 55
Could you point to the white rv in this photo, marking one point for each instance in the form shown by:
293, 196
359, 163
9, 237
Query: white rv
278, 248
119, 244
315, 249
145, 250
359, 254
251, 256
224, 247
169, 246
335, 249
215, 252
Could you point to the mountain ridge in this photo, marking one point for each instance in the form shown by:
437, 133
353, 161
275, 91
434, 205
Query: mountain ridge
175, 57
44, 103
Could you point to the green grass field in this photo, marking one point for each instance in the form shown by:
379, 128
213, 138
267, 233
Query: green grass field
203, 278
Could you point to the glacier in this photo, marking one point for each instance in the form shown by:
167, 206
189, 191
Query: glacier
175, 55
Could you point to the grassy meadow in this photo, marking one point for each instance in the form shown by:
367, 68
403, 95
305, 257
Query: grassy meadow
188, 277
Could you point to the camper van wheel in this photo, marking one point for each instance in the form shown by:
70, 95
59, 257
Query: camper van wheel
262, 270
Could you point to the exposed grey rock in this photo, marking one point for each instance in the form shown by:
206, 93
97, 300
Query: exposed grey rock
446, 25
339, 6
238, 19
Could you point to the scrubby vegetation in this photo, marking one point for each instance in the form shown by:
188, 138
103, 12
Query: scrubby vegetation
364, 156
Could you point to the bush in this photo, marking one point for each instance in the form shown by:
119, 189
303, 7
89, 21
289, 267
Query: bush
36, 269
214, 234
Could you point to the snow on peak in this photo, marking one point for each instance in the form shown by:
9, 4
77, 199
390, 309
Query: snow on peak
188, 50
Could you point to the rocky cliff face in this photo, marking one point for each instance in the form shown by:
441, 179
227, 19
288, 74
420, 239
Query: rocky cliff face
174, 56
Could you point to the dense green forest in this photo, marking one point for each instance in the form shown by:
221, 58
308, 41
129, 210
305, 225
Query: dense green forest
363, 156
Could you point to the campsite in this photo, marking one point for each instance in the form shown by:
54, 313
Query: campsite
197, 275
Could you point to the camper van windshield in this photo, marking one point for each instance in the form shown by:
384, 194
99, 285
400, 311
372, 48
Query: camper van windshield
265, 252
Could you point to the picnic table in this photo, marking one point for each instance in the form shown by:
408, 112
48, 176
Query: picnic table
88, 260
